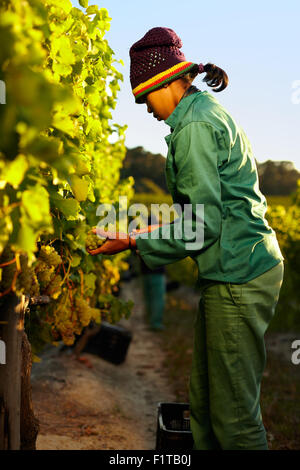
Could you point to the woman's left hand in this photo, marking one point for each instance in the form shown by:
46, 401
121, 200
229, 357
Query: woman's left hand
114, 244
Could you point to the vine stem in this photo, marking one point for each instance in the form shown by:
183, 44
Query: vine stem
16, 273
8, 263
81, 282
67, 280
12, 206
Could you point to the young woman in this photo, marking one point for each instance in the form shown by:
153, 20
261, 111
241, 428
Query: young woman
240, 265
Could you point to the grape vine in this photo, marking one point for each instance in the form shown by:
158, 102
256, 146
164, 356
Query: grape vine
58, 163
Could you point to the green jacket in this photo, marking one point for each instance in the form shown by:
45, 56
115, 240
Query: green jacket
210, 162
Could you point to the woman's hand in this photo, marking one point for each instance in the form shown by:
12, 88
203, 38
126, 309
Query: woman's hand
115, 243
118, 241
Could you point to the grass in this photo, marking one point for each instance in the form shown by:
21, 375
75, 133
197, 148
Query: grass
279, 200
280, 403
280, 389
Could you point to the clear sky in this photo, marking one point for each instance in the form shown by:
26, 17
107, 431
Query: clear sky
257, 43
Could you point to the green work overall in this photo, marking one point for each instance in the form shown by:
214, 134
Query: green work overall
240, 268
228, 362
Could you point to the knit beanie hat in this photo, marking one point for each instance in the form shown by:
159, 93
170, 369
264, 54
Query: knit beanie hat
156, 59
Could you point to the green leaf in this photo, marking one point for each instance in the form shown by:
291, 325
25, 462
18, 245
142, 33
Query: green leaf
89, 283
80, 187
62, 49
26, 240
44, 148
35, 204
62, 69
84, 3
64, 123
93, 9
82, 168
65, 4
76, 259
69, 207
13, 173
5, 231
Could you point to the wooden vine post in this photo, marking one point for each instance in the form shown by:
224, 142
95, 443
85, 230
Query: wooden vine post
18, 425
12, 326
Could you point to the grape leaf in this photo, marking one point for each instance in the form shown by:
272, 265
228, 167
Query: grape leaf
83, 3
79, 187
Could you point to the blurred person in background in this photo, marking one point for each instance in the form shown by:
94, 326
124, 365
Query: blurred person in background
154, 289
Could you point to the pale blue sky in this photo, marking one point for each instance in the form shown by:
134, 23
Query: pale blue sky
256, 43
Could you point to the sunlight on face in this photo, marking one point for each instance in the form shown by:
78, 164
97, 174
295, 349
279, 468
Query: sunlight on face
159, 102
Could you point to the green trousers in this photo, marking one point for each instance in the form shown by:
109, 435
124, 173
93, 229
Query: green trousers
229, 358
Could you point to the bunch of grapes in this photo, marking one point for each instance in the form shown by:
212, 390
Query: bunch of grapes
66, 331
85, 313
60, 318
53, 289
93, 242
47, 262
49, 256
70, 317
108, 275
26, 281
44, 272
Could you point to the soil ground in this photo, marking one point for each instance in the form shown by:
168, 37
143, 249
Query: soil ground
107, 406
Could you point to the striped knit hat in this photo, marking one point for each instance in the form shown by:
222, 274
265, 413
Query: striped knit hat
156, 59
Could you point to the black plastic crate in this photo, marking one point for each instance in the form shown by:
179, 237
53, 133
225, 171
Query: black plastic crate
173, 427
111, 343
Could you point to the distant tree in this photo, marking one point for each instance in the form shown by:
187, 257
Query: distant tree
144, 165
277, 178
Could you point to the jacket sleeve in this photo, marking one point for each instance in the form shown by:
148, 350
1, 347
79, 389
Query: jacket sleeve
196, 155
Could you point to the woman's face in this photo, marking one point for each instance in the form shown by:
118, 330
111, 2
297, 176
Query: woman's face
160, 102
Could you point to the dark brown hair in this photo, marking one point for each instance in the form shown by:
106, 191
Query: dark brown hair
215, 77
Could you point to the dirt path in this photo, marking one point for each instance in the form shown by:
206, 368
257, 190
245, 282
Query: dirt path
107, 406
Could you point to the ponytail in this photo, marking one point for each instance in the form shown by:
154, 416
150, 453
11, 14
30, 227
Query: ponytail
215, 76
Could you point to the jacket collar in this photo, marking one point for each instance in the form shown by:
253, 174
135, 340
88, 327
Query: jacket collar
180, 110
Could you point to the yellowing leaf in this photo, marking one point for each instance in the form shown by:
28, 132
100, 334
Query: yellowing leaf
69, 207
13, 173
82, 168
36, 358
62, 48
79, 187
26, 238
62, 69
76, 259
83, 3
35, 203
64, 123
